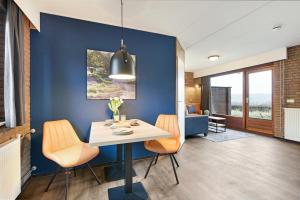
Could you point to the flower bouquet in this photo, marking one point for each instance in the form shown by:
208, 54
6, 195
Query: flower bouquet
114, 105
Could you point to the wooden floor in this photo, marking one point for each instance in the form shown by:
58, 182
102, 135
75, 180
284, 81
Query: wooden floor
255, 168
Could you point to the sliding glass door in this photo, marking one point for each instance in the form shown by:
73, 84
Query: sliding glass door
259, 100
227, 98
244, 98
227, 94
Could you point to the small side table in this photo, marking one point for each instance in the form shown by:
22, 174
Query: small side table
217, 124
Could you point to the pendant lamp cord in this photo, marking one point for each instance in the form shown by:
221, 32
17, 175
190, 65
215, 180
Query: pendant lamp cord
122, 33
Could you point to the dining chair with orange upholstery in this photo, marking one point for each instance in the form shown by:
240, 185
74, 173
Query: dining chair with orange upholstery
165, 146
62, 145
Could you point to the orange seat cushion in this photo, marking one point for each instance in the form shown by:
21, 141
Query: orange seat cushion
163, 146
74, 155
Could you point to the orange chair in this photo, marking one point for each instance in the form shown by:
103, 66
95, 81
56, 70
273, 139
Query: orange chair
165, 146
62, 145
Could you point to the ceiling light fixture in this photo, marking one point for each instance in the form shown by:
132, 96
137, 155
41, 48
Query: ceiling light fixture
277, 28
122, 66
214, 57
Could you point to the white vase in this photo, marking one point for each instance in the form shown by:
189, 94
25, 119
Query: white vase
116, 117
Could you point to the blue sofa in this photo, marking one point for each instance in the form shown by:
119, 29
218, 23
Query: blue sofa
196, 124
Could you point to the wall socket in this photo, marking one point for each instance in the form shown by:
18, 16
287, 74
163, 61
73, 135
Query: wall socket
290, 100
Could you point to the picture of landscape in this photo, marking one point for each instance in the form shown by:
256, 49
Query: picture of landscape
99, 85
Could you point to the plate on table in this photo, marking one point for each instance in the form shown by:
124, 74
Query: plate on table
123, 131
120, 125
134, 122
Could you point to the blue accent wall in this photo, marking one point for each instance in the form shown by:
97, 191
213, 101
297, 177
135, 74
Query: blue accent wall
58, 79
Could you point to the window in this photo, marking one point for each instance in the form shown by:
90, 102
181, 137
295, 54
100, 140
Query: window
260, 95
227, 94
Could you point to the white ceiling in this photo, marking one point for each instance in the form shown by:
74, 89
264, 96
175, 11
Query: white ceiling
232, 29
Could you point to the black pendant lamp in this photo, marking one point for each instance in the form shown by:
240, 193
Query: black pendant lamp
122, 66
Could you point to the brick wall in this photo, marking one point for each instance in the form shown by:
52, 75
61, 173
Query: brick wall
189, 79
6, 134
277, 99
26, 164
291, 80
287, 86
2, 34
192, 93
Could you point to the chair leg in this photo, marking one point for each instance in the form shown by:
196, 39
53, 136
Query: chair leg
174, 168
150, 166
67, 175
51, 180
157, 155
92, 171
74, 170
175, 160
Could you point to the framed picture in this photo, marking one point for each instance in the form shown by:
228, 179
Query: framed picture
99, 85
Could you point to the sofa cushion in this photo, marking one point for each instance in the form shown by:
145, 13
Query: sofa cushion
191, 109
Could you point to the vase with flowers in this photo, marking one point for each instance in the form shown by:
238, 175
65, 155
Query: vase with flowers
114, 105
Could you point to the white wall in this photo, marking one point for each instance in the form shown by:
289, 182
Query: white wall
180, 99
31, 11
267, 57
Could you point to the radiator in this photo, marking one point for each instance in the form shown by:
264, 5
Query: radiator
10, 169
292, 124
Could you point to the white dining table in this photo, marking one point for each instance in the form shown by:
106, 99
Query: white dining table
102, 135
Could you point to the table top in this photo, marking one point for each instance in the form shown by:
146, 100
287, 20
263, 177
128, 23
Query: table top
216, 118
101, 135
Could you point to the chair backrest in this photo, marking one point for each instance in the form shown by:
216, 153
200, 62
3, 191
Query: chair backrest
58, 135
169, 123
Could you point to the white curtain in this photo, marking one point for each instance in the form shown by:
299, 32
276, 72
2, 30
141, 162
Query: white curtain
14, 67
9, 89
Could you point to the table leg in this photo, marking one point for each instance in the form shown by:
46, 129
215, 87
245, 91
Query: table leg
119, 153
129, 191
128, 167
116, 171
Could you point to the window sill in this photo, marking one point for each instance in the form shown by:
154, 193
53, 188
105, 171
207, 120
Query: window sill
4, 129
9, 133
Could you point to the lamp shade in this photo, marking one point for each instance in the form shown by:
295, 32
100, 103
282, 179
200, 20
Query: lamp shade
122, 66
